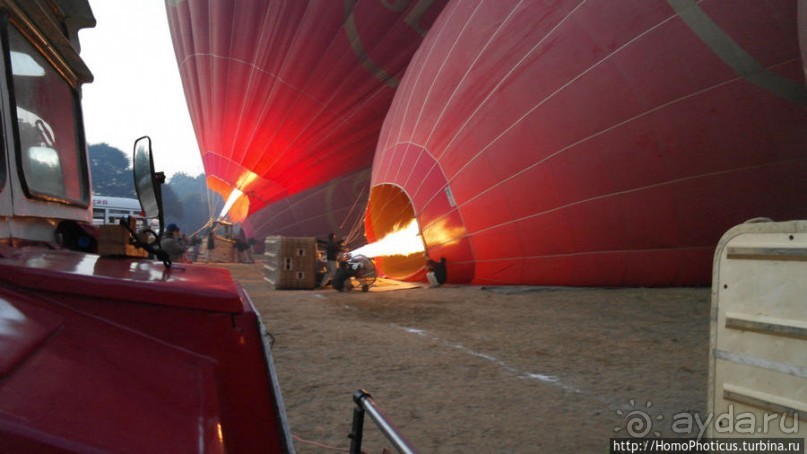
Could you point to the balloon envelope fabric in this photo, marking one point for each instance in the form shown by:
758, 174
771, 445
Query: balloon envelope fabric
592, 143
286, 95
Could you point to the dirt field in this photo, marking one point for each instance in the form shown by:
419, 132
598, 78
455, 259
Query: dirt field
469, 369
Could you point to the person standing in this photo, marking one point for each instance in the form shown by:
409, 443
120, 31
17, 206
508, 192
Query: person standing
244, 249
211, 244
173, 243
437, 273
331, 254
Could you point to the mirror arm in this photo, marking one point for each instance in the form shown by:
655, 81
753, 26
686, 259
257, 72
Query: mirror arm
159, 179
149, 247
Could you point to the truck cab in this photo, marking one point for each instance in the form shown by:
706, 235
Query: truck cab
44, 174
101, 354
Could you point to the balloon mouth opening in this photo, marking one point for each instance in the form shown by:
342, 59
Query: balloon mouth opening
389, 208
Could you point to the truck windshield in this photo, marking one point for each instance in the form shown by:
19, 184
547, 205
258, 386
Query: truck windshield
51, 151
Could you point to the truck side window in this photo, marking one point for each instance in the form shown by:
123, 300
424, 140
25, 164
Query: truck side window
50, 154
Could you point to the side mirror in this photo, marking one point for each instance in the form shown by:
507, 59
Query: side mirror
147, 182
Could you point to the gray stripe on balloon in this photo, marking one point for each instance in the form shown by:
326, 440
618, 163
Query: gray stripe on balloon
735, 56
358, 48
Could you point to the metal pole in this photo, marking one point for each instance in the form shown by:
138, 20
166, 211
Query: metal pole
357, 431
364, 400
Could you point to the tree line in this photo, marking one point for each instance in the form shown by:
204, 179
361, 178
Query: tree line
185, 197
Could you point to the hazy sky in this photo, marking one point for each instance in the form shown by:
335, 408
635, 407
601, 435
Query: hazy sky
137, 90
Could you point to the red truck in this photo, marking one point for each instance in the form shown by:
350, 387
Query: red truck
98, 353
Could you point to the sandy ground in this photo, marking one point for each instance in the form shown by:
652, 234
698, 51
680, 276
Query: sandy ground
469, 369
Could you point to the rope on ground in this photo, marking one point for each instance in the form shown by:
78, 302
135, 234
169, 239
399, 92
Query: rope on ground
320, 445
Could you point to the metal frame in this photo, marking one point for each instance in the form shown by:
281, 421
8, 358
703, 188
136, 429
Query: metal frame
365, 403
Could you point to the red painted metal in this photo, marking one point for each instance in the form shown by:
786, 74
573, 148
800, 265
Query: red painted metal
802, 24
122, 355
599, 142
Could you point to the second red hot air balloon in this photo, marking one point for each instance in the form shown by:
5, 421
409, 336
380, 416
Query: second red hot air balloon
593, 143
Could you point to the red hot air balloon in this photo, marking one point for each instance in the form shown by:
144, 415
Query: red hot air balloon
288, 95
593, 143
336, 206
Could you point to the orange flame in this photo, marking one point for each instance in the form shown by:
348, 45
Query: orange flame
441, 234
235, 194
404, 240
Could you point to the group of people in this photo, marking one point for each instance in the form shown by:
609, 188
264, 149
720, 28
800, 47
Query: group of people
336, 252
176, 245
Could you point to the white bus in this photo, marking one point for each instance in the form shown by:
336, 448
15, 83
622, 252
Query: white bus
108, 210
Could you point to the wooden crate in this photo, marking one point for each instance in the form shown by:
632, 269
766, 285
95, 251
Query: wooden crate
759, 330
289, 262
223, 250
114, 240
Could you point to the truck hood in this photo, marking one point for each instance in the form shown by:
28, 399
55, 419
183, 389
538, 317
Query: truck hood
102, 355
134, 280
